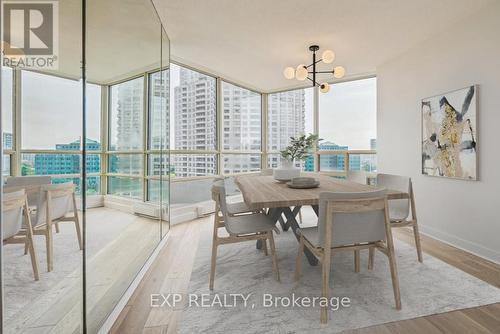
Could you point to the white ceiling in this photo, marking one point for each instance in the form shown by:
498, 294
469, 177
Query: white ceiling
252, 41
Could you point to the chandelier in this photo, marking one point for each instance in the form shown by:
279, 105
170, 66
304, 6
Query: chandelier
302, 71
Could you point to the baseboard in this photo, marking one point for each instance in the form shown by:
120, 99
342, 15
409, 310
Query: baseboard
465, 245
113, 316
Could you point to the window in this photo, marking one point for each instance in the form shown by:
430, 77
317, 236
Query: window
290, 114
50, 103
241, 109
7, 108
158, 110
348, 121
241, 163
193, 122
348, 115
126, 115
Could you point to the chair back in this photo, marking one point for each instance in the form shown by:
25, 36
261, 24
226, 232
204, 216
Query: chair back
13, 204
266, 172
219, 196
30, 183
399, 209
357, 176
354, 217
58, 197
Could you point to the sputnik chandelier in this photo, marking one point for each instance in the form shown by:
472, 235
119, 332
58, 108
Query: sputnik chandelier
302, 71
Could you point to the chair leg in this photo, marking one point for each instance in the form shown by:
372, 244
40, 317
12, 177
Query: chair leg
50, 247
300, 217
57, 227
325, 285
264, 246
26, 245
274, 256
34, 260
357, 261
371, 257
298, 266
78, 232
212, 265
416, 234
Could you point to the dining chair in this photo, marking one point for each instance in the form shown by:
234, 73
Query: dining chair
56, 203
357, 176
399, 209
347, 222
255, 226
28, 183
234, 208
14, 212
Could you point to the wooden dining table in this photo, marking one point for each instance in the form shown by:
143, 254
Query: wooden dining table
264, 192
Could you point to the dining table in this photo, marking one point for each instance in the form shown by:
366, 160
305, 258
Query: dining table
264, 192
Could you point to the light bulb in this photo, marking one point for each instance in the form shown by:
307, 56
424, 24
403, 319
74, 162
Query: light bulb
324, 87
301, 73
328, 56
339, 72
289, 73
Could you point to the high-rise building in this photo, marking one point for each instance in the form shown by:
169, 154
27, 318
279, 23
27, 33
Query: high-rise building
286, 118
194, 120
241, 112
334, 162
7, 140
60, 164
373, 144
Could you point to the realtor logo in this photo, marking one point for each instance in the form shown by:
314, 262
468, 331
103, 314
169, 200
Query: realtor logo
30, 36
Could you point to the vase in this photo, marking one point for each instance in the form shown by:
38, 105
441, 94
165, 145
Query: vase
286, 172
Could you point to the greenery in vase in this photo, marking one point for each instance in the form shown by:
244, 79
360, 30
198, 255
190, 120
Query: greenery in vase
300, 147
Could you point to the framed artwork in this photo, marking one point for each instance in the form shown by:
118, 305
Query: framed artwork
449, 134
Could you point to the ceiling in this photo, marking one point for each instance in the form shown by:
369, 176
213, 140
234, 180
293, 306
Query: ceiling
251, 42
124, 39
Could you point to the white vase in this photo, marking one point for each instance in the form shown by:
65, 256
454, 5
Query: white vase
287, 171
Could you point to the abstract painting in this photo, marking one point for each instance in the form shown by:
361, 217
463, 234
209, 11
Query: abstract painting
449, 134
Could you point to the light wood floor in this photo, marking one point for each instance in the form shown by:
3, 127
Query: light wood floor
172, 269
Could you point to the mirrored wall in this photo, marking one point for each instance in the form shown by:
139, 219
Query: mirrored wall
85, 166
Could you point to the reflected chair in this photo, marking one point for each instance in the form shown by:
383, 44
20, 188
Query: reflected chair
30, 183
399, 209
14, 212
347, 222
255, 226
55, 202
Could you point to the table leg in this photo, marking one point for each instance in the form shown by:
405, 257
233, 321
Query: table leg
290, 215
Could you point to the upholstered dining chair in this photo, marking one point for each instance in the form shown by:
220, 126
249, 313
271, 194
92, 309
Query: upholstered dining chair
233, 208
399, 209
255, 226
347, 222
14, 212
28, 183
56, 203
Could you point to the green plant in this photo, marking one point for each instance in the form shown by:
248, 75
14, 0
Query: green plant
299, 148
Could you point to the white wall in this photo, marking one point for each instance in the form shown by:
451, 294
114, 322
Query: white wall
463, 213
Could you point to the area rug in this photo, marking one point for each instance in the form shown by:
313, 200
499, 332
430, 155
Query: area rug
426, 288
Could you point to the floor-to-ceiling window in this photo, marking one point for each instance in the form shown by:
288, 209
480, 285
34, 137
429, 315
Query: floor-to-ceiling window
7, 119
126, 138
348, 125
241, 129
289, 114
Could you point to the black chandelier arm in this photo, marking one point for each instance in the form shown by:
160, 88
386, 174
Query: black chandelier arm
314, 82
317, 61
323, 72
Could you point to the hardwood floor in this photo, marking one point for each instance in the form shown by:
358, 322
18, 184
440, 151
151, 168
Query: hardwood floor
172, 269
